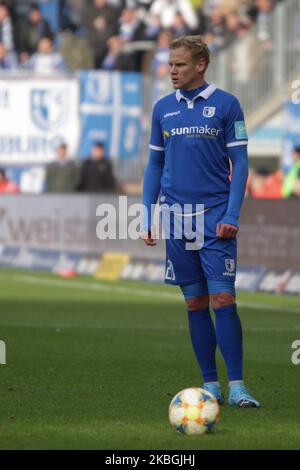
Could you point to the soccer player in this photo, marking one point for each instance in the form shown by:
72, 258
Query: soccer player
196, 132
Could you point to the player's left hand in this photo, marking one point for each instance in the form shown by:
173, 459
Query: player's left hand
149, 237
226, 231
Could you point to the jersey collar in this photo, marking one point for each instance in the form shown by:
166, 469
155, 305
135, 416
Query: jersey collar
203, 94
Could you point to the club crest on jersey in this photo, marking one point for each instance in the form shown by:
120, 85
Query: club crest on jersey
209, 111
230, 265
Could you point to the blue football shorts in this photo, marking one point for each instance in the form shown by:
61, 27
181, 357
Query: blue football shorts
214, 261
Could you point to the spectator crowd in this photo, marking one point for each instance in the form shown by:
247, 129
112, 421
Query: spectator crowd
118, 34
127, 35
67, 174
96, 175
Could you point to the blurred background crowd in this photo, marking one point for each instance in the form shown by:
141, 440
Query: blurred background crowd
120, 34
95, 175
127, 35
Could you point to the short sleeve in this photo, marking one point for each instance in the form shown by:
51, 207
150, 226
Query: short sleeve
156, 140
235, 127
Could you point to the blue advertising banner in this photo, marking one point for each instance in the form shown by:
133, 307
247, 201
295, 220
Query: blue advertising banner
31, 258
110, 112
249, 278
39, 259
8, 254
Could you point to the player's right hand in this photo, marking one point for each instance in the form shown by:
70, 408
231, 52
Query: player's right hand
149, 237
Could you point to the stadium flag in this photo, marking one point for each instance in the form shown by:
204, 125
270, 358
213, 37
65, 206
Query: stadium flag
110, 112
51, 12
36, 115
111, 266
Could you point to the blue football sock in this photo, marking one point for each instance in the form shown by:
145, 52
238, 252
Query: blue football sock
230, 340
204, 342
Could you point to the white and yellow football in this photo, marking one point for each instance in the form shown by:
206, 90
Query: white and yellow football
194, 411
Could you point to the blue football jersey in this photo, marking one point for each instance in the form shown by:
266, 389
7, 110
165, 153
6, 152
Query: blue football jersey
195, 135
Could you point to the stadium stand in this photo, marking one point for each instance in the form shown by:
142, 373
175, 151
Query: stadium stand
82, 72
23, 23
46, 37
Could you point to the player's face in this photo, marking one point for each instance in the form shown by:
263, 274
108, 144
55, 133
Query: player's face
185, 73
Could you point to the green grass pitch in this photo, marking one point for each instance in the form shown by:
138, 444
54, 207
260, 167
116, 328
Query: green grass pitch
94, 365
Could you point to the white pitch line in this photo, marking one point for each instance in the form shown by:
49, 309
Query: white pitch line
59, 327
97, 286
93, 286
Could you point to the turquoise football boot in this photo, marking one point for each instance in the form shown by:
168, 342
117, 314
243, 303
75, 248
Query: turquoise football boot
215, 390
239, 396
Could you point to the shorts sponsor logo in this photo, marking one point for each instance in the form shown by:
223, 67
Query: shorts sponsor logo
230, 267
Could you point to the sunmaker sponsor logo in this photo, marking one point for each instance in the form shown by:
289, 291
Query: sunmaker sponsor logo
203, 131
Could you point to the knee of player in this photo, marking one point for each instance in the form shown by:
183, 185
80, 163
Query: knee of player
197, 303
222, 299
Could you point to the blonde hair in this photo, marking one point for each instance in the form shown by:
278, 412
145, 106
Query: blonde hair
195, 44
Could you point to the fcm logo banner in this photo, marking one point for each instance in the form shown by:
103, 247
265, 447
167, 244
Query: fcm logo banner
36, 115
49, 108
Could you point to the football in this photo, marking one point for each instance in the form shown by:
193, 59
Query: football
194, 411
